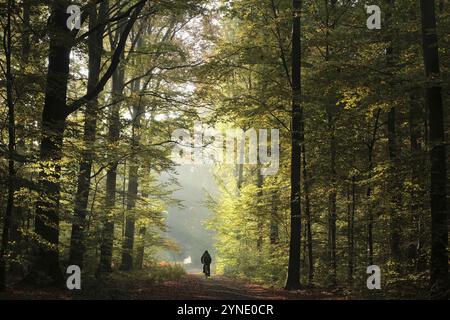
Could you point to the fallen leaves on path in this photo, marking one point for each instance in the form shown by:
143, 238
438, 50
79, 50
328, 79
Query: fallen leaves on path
196, 287
188, 287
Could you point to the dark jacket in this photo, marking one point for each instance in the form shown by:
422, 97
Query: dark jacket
206, 258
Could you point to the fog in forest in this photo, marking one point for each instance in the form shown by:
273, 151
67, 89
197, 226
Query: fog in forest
186, 223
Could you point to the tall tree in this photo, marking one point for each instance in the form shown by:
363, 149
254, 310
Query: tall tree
332, 113
393, 146
351, 206
107, 241
132, 194
95, 50
293, 278
435, 106
306, 191
370, 215
7, 72
418, 162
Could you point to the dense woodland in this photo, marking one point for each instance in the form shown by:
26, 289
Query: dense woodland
87, 117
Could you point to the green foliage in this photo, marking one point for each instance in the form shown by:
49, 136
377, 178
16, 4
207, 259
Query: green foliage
348, 91
118, 284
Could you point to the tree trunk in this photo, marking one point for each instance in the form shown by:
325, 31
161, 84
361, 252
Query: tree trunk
106, 247
53, 124
128, 242
350, 230
11, 144
26, 9
417, 177
240, 172
140, 248
16, 236
332, 194
307, 206
370, 218
293, 278
260, 215
95, 49
274, 225
332, 197
395, 189
240, 169
395, 192
434, 103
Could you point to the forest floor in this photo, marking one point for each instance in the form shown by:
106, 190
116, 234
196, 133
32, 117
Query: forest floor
195, 286
188, 287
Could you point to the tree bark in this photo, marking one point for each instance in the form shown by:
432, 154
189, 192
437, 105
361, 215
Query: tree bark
128, 242
240, 169
332, 198
307, 206
332, 194
16, 236
395, 189
95, 49
434, 103
417, 161
370, 218
274, 235
53, 124
11, 144
293, 278
351, 230
26, 9
260, 215
106, 247
395, 192
140, 248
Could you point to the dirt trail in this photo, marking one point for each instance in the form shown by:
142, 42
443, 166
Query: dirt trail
196, 287
192, 286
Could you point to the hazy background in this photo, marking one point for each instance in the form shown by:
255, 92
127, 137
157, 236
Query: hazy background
186, 225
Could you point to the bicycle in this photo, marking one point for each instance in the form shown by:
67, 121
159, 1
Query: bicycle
206, 271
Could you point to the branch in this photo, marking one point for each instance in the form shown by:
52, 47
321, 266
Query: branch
375, 129
105, 22
114, 63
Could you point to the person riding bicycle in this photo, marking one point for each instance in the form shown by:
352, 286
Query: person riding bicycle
206, 261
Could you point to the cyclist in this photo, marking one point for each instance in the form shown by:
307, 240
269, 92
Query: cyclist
206, 261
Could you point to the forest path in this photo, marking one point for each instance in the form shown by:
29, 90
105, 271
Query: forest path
195, 286
192, 286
